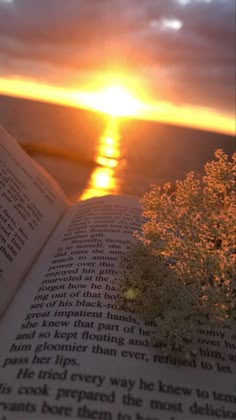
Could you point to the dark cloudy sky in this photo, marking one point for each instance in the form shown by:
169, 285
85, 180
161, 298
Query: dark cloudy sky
184, 50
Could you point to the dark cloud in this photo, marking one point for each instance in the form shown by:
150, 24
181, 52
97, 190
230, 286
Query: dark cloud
62, 40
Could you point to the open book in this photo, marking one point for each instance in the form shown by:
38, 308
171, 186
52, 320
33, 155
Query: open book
67, 350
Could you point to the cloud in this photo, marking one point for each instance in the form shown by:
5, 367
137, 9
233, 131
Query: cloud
184, 50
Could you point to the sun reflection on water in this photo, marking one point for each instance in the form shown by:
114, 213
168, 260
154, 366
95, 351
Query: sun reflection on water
103, 180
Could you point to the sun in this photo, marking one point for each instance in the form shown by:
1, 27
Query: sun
117, 101
114, 100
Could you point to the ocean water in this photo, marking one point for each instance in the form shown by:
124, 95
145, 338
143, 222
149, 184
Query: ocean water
90, 154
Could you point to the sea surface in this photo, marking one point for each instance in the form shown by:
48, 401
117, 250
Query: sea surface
92, 154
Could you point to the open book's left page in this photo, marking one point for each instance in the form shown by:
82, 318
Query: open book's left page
31, 204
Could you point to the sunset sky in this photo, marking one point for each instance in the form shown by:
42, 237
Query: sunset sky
176, 57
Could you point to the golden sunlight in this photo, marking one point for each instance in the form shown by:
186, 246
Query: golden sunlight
103, 180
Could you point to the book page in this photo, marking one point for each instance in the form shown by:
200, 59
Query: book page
69, 352
31, 204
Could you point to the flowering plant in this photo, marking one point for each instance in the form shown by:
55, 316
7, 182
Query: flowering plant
181, 268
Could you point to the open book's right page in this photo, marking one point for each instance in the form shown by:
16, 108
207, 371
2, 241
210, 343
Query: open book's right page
69, 352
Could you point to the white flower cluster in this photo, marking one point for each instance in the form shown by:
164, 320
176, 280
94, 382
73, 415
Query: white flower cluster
183, 265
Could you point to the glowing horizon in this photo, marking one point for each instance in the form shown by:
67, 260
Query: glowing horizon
116, 99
